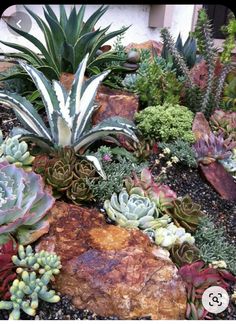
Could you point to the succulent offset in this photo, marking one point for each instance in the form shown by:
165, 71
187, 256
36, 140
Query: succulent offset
185, 213
23, 204
35, 271
184, 254
79, 191
131, 211
15, 152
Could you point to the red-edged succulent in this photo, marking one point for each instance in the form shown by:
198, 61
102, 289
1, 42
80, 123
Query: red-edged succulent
198, 277
161, 194
224, 122
7, 268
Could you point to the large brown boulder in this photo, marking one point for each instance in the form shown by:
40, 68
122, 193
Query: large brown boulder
200, 126
110, 270
148, 45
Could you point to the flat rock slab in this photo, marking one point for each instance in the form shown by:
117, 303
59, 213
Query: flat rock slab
200, 126
220, 180
110, 270
148, 45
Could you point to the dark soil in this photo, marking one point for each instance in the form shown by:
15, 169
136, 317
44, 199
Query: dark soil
182, 180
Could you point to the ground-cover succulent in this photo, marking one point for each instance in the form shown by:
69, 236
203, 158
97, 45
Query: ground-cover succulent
161, 194
68, 114
67, 40
184, 254
166, 123
35, 271
211, 148
224, 123
23, 203
131, 211
7, 268
198, 277
185, 213
15, 152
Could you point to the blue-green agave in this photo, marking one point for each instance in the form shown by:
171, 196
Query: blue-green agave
23, 204
16, 152
133, 211
69, 114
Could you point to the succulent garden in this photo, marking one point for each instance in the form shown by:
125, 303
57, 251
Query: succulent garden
117, 172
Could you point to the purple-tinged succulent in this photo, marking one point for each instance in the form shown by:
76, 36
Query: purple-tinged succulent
224, 122
211, 148
23, 203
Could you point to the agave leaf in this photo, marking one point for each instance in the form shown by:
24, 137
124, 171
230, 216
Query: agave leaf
26, 113
68, 54
16, 75
63, 18
97, 165
62, 131
90, 23
72, 27
105, 57
51, 13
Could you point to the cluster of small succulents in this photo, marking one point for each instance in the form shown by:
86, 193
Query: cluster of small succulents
198, 277
24, 201
15, 152
35, 271
67, 174
224, 123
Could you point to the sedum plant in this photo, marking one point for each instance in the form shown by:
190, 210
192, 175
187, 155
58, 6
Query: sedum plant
185, 213
35, 271
68, 114
166, 122
23, 203
16, 152
67, 40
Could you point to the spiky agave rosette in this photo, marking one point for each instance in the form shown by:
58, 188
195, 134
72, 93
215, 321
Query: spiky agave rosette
23, 203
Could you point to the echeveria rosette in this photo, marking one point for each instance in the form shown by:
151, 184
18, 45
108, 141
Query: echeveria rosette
16, 152
186, 213
184, 254
67, 155
59, 175
79, 191
131, 211
84, 169
23, 203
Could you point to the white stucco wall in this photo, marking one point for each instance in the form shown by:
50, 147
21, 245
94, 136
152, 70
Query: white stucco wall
118, 15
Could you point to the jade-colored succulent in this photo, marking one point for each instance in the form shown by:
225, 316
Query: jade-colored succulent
16, 152
23, 203
172, 235
85, 169
59, 175
35, 271
79, 191
184, 254
186, 213
131, 211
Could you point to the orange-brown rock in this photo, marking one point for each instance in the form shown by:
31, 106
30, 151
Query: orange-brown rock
67, 79
148, 45
220, 180
200, 126
114, 102
112, 271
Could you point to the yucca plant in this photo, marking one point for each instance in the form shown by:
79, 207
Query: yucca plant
68, 39
68, 114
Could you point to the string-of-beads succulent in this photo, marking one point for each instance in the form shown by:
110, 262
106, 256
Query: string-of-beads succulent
35, 271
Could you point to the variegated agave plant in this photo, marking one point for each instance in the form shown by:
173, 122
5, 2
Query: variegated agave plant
69, 114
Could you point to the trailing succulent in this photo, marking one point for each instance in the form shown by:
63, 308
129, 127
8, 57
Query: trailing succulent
198, 277
23, 203
212, 148
68, 114
15, 152
166, 123
34, 271
7, 268
185, 213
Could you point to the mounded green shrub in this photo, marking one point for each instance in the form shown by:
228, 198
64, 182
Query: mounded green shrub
166, 123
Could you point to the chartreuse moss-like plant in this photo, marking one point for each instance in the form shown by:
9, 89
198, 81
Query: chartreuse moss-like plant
166, 123
68, 114
24, 201
15, 152
35, 271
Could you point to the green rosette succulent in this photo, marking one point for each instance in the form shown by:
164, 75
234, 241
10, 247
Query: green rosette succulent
59, 175
16, 152
79, 191
67, 155
131, 211
84, 169
23, 204
185, 213
184, 254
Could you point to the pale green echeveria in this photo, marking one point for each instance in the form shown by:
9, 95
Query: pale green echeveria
131, 211
16, 152
23, 204
171, 235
